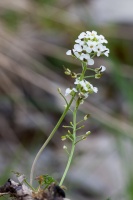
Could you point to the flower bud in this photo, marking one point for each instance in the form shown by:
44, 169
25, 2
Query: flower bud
67, 71
84, 137
63, 138
64, 147
73, 75
86, 117
59, 90
97, 76
88, 133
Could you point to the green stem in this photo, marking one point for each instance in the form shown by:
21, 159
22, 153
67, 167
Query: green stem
73, 146
49, 138
90, 76
29, 185
84, 68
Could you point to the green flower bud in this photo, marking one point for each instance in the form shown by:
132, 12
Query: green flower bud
86, 117
67, 71
63, 138
59, 90
84, 137
73, 75
88, 133
97, 76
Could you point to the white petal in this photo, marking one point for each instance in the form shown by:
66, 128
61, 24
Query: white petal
106, 53
94, 32
90, 62
77, 47
89, 50
82, 83
86, 95
87, 56
82, 35
69, 52
76, 54
77, 81
78, 41
103, 68
84, 56
95, 89
68, 91
74, 89
88, 33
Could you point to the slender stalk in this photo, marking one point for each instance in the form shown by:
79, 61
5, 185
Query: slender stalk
84, 68
49, 138
29, 185
90, 76
72, 148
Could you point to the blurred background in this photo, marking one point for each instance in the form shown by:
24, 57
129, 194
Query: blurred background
34, 38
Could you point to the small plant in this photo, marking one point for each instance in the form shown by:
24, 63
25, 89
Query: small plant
88, 46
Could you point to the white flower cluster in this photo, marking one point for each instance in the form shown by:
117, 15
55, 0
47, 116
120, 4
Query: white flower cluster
84, 88
88, 45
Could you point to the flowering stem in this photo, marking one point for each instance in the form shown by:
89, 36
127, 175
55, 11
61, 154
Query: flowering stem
49, 138
73, 146
84, 67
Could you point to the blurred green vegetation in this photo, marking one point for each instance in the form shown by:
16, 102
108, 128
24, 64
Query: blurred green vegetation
11, 18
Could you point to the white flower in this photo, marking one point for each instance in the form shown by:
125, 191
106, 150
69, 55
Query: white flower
93, 35
69, 91
99, 49
85, 95
84, 88
92, 45
102, 39
84, 56
88, 45
94, 89
83, 83
87, 49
